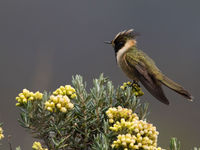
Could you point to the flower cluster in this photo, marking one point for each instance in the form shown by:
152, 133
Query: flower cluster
134, 133
1, 133
66, 90
26, 96
136, 90
127, 141
58, 103
115, 114
38, 146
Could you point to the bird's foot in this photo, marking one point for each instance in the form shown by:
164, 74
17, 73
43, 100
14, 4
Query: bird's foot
135, 82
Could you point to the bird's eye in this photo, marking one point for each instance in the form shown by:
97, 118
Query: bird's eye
119, 45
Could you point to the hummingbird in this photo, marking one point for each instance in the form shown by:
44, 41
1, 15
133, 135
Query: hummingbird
139, 67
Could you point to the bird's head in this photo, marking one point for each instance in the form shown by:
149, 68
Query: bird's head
122, 38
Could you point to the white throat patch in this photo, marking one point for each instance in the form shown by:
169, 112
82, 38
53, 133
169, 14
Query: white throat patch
121, 51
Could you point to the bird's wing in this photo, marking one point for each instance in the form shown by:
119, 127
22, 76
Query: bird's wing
146, 77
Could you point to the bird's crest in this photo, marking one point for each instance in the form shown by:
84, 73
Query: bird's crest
126, 34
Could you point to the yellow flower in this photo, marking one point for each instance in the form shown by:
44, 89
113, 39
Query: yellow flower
26, 96
70, 105
1, 133
38, 146
111, 120
49, 109
58, 103
136, 90
139, 133
38, 95
63, 109
73, 96
17, 104
117, 113
126, 141
67, 90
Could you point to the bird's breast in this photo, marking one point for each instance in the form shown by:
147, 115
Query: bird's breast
128, 70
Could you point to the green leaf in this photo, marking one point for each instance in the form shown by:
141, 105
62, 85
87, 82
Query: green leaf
175, 144
143, 111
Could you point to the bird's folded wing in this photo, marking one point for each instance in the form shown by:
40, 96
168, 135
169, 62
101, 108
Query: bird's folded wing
147, 78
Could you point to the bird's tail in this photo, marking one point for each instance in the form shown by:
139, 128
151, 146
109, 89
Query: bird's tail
154, 87
176, 87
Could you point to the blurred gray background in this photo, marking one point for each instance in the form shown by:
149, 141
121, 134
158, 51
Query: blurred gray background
43, 43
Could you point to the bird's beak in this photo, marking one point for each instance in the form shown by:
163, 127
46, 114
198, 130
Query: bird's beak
108, 42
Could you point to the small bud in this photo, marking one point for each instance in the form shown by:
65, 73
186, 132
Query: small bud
17, 104
69, 92
63, 109
59, 105
73, 96
24, 100
50, 109
71, 105
111, 120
